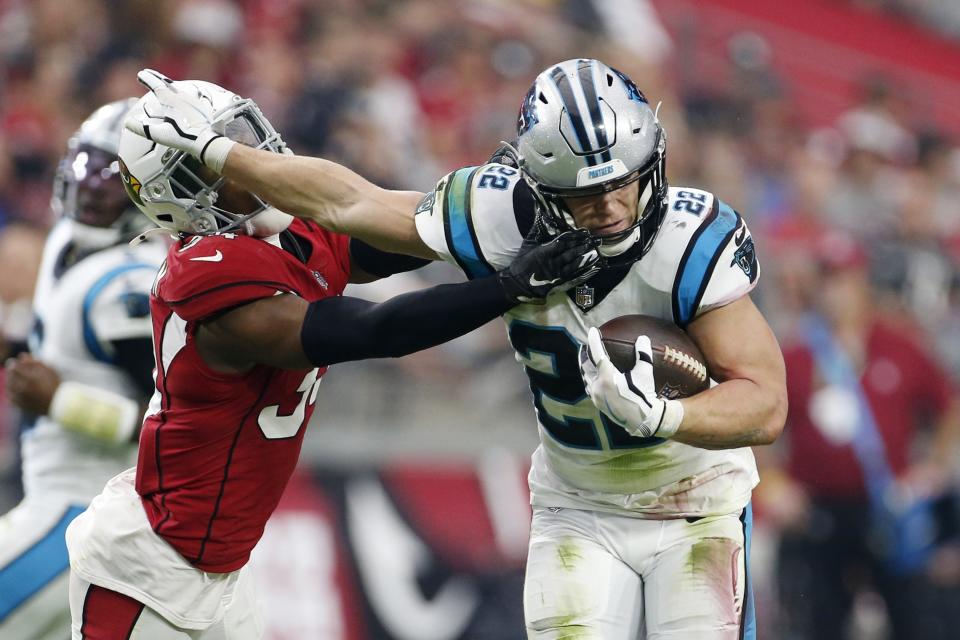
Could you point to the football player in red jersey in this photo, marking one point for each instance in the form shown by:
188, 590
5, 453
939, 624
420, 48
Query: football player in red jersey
247, 314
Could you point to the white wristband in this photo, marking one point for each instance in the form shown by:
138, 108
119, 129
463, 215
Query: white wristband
214, 153
672, 417
95, 412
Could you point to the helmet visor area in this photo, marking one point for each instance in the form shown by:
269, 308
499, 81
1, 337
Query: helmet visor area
627, 245
90, 188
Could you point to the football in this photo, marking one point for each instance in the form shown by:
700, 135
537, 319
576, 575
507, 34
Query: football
679, 368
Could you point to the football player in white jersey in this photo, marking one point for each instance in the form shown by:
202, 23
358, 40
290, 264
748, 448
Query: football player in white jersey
82, 386
641, 512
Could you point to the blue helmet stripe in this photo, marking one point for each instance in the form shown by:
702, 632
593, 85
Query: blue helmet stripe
458, 225
697, 264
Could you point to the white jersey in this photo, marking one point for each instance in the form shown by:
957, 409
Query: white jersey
701, 259
79, 311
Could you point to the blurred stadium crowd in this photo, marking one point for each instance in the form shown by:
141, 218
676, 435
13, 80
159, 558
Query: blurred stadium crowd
404, 91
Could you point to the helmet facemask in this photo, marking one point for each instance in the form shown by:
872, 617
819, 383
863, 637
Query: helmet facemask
619, 247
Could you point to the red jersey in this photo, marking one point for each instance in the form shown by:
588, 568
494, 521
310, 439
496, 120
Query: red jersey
216, 450
905, 389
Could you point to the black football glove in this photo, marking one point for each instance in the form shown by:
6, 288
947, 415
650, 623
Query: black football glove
540, 268
506, 154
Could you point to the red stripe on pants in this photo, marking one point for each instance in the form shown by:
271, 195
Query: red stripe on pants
108, 615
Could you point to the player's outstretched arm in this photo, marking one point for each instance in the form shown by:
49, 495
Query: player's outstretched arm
288, 332
335, 197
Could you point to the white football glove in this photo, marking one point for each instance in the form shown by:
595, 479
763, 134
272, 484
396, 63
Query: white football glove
629, 399
182, 123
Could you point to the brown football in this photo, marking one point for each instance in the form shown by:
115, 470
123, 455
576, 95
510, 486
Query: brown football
679, 368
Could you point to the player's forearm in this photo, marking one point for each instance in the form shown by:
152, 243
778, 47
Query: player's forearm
310, 188
735, 413
331, 195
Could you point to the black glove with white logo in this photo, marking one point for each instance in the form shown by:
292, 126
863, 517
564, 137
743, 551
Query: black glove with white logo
538, 269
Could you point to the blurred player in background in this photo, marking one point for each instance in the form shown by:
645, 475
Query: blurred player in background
85, 381
864, 504
639, 528
247, 314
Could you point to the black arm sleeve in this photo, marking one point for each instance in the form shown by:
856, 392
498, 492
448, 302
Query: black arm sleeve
341, 329
382, 263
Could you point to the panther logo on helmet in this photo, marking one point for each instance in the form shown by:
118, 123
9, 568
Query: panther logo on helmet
528, 112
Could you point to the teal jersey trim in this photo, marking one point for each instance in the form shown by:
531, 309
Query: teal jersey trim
700, 258
89, 335
458, 225
38, 566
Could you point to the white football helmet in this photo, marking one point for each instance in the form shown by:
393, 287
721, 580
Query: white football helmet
585, 129
87, 188
174, 189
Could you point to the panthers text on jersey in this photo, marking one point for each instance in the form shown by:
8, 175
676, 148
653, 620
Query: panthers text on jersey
84, 305
217, 450
702, 258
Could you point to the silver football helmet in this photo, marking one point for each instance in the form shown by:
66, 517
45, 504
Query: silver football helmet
585, 129
87, 188
174, 189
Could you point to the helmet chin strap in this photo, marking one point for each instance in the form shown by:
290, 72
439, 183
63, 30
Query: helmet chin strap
620, 246
268, 222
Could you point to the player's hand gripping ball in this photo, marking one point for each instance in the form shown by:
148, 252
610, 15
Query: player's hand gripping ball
636, 381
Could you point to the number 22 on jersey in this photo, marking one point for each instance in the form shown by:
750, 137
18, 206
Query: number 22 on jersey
550, 358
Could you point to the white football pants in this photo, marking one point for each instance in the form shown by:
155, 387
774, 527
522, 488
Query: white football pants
612, 577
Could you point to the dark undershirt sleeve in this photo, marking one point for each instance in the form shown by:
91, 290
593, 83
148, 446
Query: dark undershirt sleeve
340, 329
135, 356
382, 263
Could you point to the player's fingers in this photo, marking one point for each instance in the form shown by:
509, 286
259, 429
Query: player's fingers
588, 369
575, 261
572, 238
154, 80
644, 355
132, 123
598, 353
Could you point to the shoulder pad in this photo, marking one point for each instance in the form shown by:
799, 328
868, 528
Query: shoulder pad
116, 307
477, 217
206, 274
703, 254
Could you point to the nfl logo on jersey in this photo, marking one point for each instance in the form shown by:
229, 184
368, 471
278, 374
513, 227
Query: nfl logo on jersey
583, 296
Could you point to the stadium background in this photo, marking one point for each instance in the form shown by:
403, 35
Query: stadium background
409, 518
